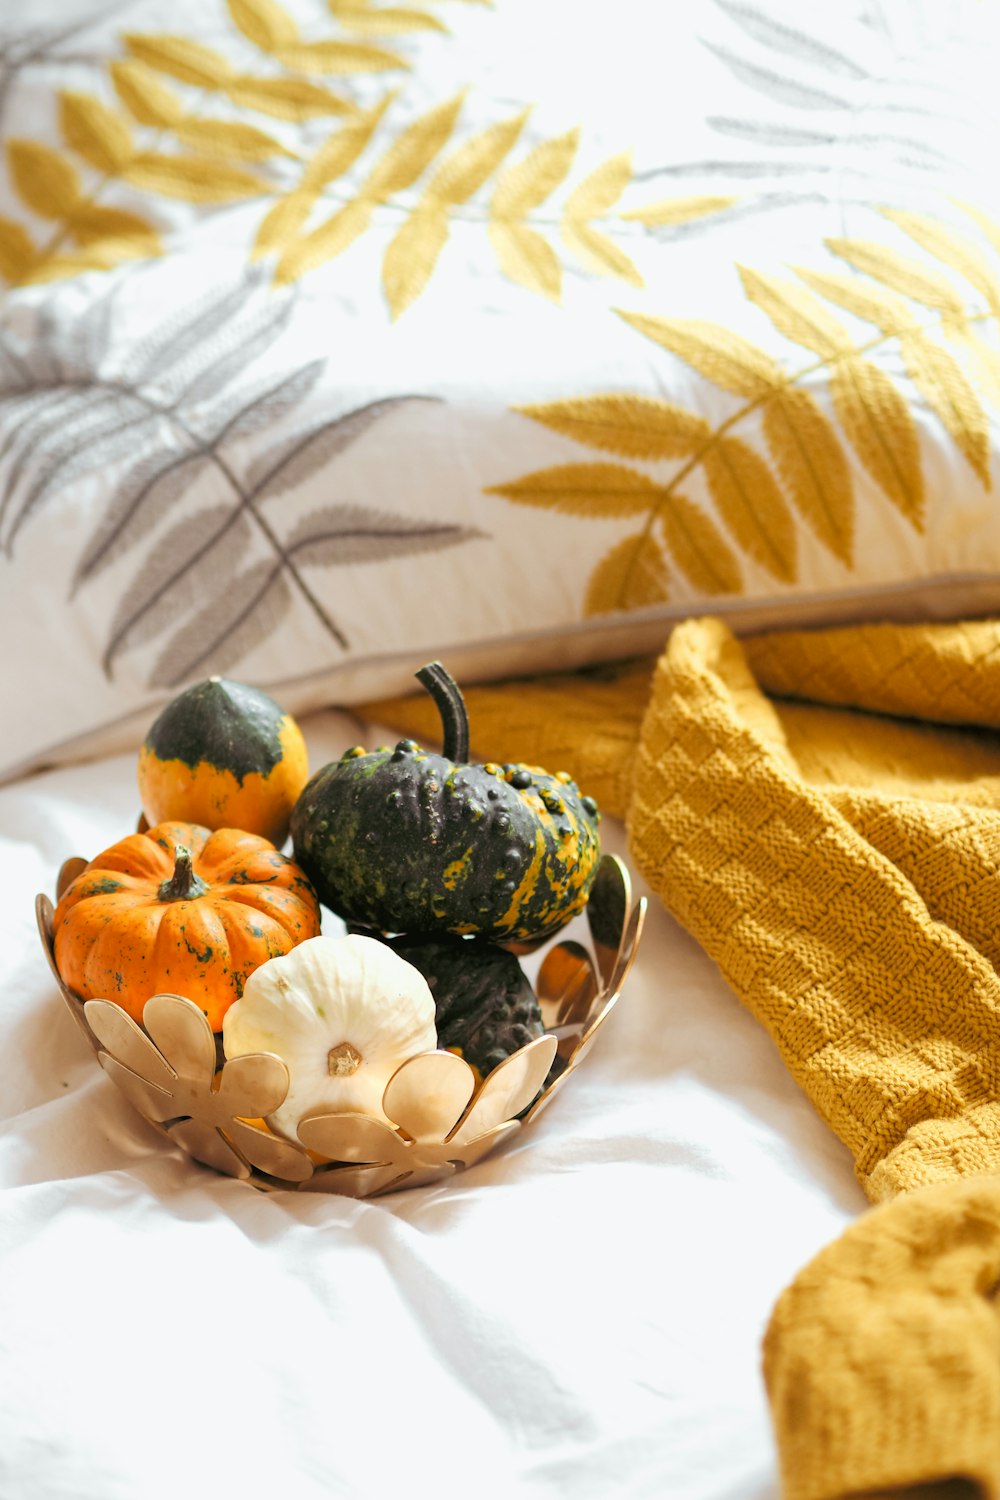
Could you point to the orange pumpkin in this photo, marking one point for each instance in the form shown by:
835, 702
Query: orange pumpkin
182, 910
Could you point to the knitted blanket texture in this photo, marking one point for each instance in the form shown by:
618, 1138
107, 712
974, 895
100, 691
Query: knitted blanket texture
821, 810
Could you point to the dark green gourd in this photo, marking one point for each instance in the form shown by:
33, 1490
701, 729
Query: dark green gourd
484, 1005
405, 840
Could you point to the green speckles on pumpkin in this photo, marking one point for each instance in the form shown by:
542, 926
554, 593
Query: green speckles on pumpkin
202, 957
104, 886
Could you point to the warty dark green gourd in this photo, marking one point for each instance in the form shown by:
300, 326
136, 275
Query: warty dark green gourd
485, 1007
406, 840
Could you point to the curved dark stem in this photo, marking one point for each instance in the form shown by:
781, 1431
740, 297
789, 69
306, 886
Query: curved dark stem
451, 706
184, 884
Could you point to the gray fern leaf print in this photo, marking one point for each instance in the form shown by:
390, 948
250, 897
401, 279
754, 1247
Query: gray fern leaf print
26, 48
832, 109
868, 107
214, 575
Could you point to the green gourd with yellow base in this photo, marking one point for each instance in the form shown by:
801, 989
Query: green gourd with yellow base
406, 840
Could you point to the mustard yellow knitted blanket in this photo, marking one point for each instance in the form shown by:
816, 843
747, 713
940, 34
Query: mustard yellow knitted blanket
822, 811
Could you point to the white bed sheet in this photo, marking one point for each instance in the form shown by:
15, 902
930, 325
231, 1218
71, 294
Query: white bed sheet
581, 1314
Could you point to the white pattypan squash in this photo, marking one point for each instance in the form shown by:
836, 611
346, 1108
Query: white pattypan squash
342, 1013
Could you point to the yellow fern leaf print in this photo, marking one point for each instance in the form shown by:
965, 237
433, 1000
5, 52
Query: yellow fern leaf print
179, 58
631, 426
722, 356
411, 257
679, 210
591, 199
633, 575
606, 491
601, 190
468, 168
343, 148
295, 99
17, 250
879, 423
527, 185
942, 382
903, 274
413, 151
101, 255
265, 23
598, 252
386, 20
283, 224
752, 506
801, 318
953, 249
398, 168
91, 222
148, 100
191, 178
800, 474
230, 140
339, 58
94, 132
698, 548
42, 178
876, 419
935, 373
320, 245
528, 258
524, 254
810, 459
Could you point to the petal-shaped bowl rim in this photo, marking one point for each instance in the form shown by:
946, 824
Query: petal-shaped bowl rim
586, 982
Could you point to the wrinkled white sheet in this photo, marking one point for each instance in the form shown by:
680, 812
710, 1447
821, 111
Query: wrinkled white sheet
580, 1315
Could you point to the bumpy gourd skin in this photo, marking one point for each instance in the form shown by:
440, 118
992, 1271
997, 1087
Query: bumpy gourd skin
405, 840
484, 1005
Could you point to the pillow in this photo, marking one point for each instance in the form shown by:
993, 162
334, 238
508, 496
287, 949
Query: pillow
340, 338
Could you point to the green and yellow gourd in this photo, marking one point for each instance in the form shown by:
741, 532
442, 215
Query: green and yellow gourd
223, 755
406, 840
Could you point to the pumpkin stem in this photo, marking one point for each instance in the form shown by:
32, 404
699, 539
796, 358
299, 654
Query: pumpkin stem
184, 884
451, 706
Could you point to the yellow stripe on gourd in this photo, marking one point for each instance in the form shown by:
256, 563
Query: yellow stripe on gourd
172, 790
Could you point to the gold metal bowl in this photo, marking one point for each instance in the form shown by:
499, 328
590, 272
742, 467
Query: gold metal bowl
444, 1118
